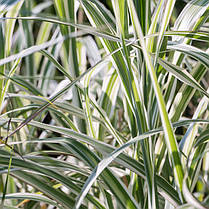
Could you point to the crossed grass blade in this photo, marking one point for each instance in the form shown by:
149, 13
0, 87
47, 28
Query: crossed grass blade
4, 140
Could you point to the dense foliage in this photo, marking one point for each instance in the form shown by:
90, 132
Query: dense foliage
104, 104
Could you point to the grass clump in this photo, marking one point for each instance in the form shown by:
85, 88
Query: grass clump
104, 104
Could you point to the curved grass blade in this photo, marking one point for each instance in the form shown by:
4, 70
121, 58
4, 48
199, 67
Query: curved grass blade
36, 48
182, 75
84, 28
197, 36
34, 197
122, 195
57, 64
10, 26
190, 197
192, 51
202, 138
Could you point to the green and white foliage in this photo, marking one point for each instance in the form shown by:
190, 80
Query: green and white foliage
104, 104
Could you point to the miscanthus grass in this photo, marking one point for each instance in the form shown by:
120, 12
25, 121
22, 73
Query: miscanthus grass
104, 104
